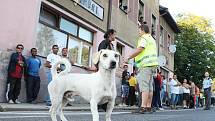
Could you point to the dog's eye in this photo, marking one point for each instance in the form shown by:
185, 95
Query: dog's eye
105, 55
116, 55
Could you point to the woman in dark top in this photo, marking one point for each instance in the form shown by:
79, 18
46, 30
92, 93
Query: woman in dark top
109, 36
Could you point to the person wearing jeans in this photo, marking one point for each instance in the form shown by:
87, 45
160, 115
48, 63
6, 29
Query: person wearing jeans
207, 82
33, 78
51, 60
174, 83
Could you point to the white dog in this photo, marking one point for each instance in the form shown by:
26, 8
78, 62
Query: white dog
97, 88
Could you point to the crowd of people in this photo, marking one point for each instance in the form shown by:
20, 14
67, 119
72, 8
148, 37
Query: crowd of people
146, 87
170, 92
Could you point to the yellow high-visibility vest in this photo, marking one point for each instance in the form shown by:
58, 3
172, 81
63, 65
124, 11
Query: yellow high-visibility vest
148, 57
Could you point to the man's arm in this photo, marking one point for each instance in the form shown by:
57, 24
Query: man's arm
134, 54
48, 64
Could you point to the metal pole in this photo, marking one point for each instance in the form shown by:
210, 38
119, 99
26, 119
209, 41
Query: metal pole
109, 14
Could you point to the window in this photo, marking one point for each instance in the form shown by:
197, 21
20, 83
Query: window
79, 51
161, 36
46, 37
85, 34
141, 11
167, 60
153, 31
48, 17
68, 26
123, 5
85, 55
65, 33
168, 41
119, 48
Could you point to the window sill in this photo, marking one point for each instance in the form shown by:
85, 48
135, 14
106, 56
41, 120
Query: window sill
125, 11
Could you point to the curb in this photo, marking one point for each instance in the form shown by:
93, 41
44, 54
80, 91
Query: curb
46, 108
2, 109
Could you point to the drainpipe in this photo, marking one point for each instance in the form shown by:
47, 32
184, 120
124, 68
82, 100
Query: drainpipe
109, 14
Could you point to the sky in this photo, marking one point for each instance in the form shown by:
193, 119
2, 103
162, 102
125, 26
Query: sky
204, 8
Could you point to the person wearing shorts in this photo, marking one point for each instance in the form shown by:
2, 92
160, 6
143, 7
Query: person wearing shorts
146, 61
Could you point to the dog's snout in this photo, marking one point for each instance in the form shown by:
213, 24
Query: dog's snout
113, 64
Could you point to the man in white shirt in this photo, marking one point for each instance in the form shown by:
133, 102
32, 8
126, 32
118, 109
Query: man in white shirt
207, 82
174, 88
51, 60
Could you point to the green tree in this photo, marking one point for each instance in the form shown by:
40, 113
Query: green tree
195, 48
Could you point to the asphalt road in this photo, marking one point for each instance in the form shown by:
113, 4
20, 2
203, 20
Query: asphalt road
178, 115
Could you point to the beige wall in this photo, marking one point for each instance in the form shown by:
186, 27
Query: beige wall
80, 11
18, 25
125, 27
164, 49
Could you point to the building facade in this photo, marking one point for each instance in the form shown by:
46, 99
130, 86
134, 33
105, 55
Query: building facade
78, 25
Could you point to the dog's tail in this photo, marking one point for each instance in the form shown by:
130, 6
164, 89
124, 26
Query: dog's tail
63, 61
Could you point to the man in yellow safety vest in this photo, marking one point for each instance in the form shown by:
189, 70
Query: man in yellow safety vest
147, 61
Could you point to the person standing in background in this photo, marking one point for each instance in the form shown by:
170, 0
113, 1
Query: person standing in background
51, 60
174, 86
197, 93
186, 94
192, 94
125, 85
16, 68
64, 54
132, 87
207, 82
33, 78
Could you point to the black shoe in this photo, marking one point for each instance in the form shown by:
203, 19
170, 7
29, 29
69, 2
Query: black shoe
137, 111
140, 111
206, 108
48, 104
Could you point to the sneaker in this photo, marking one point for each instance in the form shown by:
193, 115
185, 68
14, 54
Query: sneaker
34, 102
17, 102
120, 105
161, 109
124, 105
10, 102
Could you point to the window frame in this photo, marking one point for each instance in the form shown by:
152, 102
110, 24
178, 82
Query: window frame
57, 28
121, 6
161, 36
142, 11
153, 33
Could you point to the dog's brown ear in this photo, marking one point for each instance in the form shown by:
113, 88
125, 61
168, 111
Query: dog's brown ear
96, 56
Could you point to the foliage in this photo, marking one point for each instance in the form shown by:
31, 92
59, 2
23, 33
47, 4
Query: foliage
195, 48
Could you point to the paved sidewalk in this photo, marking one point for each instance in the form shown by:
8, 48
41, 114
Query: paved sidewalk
43, 107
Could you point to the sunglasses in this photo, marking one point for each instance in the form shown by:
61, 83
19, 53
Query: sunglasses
55, 48
20, 48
